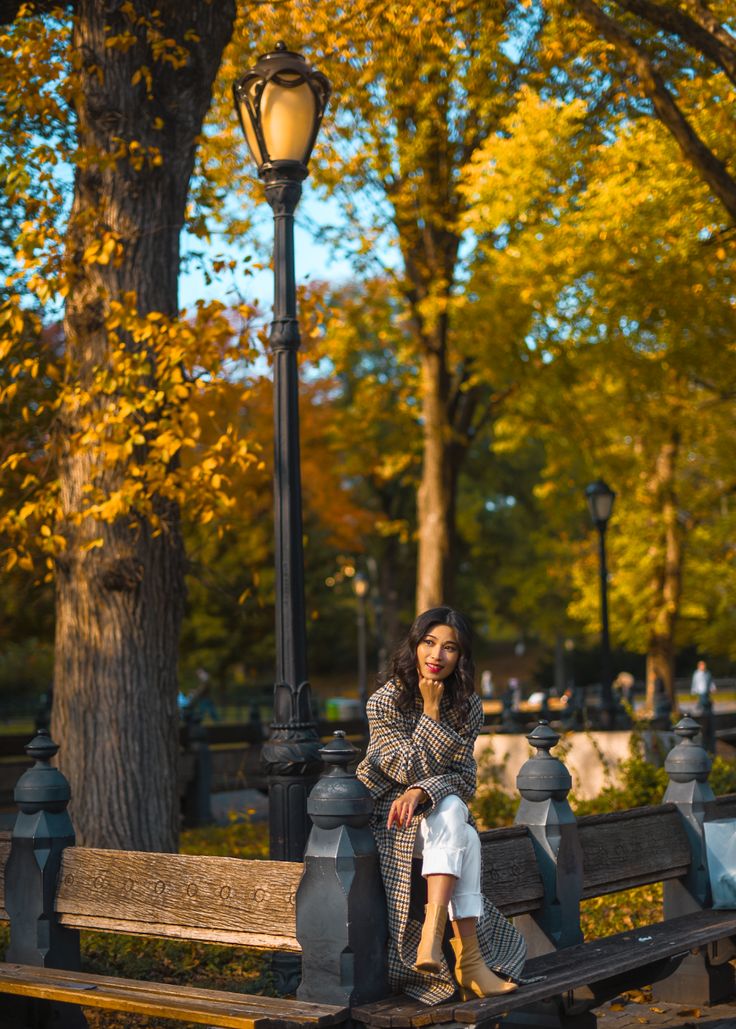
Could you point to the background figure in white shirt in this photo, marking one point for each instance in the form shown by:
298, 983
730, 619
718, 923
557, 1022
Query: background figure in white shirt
702, 685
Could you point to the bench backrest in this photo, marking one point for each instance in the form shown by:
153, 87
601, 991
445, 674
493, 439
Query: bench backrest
230, 900
631, 848
511, 876
251, 903
620, 850
213, 899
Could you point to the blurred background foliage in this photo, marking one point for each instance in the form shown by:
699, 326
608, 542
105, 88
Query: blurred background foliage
589, 311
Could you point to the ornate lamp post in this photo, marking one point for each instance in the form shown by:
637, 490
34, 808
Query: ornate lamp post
600, 499
280, 103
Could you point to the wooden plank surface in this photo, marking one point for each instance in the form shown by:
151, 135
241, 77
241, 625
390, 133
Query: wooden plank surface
215, 899
632, 848
235, 1010
510, 874
571, 968
602, 959
169, 930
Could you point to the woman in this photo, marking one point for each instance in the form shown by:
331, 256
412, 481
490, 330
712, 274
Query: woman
420, 770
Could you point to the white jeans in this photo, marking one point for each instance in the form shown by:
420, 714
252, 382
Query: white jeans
449, 846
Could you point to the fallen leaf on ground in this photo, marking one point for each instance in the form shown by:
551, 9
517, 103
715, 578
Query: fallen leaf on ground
639, 996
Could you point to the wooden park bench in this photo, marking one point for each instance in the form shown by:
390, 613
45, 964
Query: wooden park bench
49, 882
541, 870
332, 909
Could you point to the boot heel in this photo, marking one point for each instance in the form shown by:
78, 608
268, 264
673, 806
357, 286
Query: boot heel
467, 994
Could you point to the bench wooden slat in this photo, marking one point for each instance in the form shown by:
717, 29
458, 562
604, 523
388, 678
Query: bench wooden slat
605, 958
217, 899
632, 848
569, 969
233, 1010
255, 940
510, 874
30, 973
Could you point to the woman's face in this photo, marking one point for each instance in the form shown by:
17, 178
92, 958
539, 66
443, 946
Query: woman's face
438, 652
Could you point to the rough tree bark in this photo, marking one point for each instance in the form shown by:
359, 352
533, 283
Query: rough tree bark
667, 581
433, 497
119, 607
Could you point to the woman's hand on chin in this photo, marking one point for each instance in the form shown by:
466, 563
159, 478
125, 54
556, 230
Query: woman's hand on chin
431, 691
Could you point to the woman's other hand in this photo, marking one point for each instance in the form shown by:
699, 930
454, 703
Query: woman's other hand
403, 808
431, 691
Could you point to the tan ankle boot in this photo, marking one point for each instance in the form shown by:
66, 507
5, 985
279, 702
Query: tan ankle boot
429, 951
474, 977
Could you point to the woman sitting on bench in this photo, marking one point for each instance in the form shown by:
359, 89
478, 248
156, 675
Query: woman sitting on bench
420, 770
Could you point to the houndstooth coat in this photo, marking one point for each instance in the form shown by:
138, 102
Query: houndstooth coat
409, 749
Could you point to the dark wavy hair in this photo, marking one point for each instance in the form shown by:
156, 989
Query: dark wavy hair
460, 685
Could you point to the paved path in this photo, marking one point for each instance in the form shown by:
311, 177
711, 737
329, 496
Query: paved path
623, 1013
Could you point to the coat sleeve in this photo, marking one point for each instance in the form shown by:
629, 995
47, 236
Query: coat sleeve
407, 753
461, 777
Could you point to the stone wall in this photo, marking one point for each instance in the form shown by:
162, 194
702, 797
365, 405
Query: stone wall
593, 758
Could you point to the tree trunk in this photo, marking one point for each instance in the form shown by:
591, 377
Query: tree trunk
668, 577
433, 497
119, 606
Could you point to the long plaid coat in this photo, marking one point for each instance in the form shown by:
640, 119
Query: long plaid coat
409, 749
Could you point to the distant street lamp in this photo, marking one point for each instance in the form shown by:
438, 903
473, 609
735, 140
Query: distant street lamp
360, 588
600, 504
280, 103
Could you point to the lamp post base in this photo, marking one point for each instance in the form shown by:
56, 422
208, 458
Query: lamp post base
292, 762
291, 758
288, 822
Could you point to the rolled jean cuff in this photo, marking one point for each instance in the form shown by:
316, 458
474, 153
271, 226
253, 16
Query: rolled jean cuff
466, 905
442, 861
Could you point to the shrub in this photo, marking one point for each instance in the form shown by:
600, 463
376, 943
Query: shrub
641, 782
492, 806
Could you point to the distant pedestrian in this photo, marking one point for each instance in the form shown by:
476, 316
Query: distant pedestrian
624, 683
702, 685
